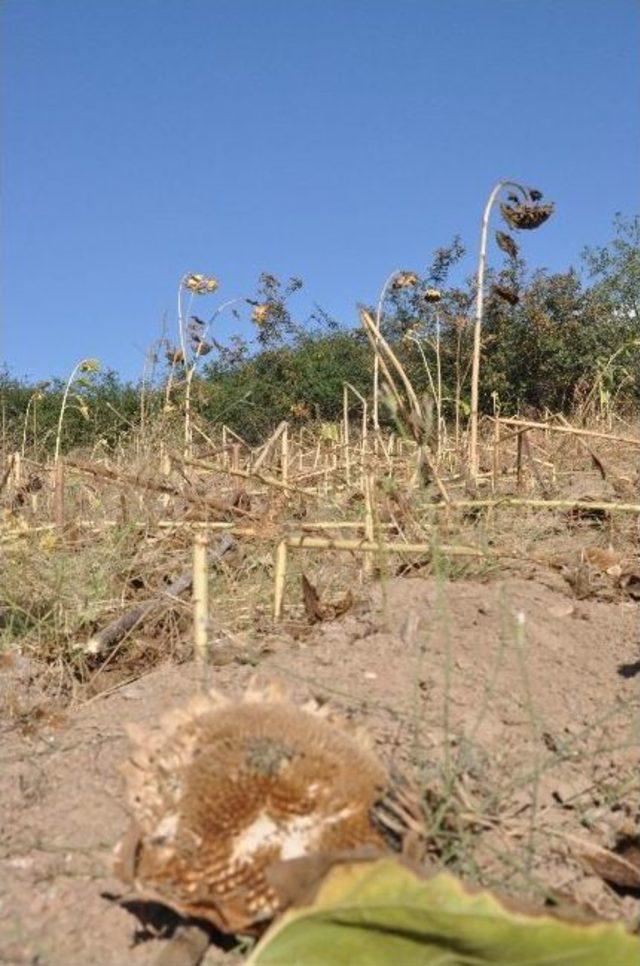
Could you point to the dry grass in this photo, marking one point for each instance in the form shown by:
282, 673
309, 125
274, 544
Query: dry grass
79, 548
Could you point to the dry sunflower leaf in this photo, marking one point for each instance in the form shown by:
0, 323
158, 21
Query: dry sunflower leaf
620, 867
507, 244
608, 560
316, 610
311, 600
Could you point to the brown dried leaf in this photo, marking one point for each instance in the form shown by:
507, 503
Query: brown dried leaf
608, 561
507, 244
311, 600
316, 609
621, 870
407, 568
399, 816
580, 514
241, 500
342, 606
597, 462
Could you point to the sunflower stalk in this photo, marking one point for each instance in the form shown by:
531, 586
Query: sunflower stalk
84, 366
525, 213
408, 408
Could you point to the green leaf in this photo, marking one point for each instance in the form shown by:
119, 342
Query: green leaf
330, 432
381, 913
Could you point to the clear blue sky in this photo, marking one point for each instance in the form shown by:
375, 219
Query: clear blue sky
332, 139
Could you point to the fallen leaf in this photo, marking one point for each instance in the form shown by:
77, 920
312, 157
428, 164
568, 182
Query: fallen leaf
597, 462
607, 561
590, 515
507, 244
316, 609
311, 600
620, 868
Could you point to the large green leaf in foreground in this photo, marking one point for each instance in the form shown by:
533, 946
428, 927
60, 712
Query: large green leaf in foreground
381, 913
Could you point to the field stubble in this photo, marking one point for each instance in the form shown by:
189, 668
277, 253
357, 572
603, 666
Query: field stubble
485, 632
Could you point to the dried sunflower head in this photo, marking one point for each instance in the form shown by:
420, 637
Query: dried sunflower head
201, 284
432, 295
404, 280
90, 365
261, 313
223, 790
174, 356
525, 216
202, 348
268, 280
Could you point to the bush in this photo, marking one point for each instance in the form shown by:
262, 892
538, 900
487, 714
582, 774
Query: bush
555, 340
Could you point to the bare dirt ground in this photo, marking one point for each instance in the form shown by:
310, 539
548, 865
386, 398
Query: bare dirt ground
528, 728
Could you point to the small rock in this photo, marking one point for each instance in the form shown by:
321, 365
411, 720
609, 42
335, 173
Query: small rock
20, 862
563, 609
